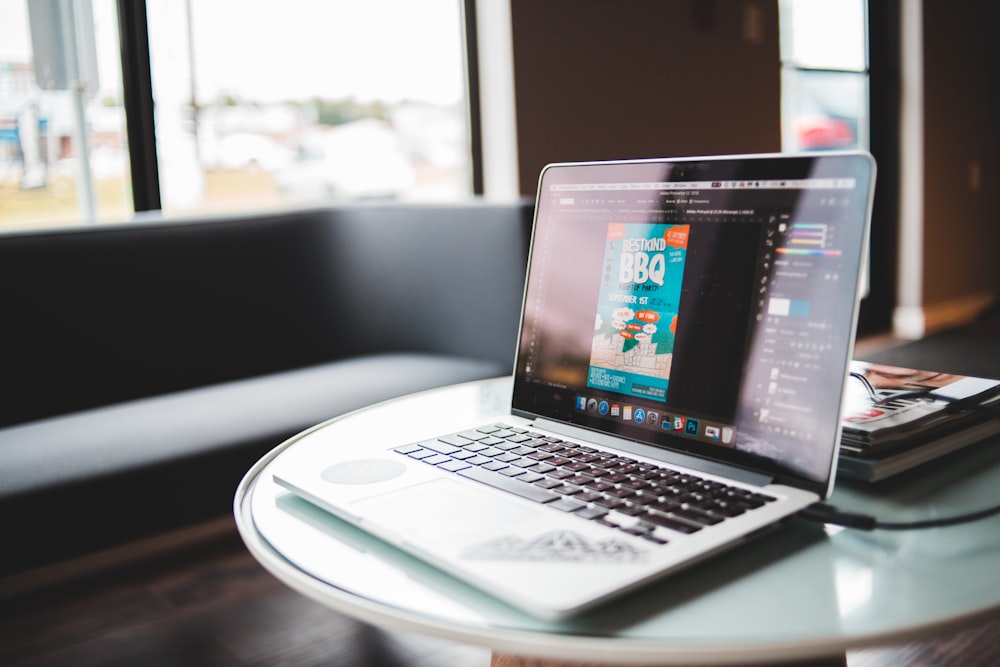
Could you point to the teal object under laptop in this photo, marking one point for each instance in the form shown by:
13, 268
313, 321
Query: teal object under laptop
684, 343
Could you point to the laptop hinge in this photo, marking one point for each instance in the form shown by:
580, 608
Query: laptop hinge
658, 453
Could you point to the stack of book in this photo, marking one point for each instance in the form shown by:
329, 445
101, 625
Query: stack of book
895, 419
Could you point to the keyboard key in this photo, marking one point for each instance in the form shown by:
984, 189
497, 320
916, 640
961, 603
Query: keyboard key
567, 505
665, 521
497, 481
592, 512
731, 509
597, 485
421, 453
463, 455
454, 465
665, 506
621, 520
643, 499
697, 516
639, 530
456, 440
745, 497
632, 510
610, 503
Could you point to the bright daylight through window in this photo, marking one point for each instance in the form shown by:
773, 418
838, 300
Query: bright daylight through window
824, 75
63, 152
257, 104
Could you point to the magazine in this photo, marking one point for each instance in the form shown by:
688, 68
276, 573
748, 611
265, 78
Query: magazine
896, 418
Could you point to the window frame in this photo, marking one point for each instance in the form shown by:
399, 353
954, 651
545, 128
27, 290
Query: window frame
790, 64
137, 91
139, 106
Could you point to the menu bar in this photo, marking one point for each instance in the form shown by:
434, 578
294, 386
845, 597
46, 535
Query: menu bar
778, 184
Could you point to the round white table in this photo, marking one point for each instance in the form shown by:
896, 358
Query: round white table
801, 592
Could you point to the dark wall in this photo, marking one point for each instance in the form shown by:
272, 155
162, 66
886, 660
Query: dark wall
962, 137
600, 79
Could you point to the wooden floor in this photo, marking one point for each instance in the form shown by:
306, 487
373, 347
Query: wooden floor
215, 605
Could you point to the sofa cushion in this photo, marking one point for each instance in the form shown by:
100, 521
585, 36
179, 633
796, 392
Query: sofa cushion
75, 483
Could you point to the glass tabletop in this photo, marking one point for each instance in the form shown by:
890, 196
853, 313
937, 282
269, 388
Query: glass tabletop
803, 590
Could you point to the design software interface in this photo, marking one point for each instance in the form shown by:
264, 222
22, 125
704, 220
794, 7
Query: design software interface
698, 311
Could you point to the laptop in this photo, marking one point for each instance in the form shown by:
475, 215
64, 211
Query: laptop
684, 342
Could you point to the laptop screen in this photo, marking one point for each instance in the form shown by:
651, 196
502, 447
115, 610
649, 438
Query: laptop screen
701, 305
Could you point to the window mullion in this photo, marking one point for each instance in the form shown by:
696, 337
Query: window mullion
138, 98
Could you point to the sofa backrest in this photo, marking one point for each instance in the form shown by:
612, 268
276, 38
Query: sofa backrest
95, 315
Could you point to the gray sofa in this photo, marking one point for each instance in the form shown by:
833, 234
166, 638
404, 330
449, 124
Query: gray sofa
145, 366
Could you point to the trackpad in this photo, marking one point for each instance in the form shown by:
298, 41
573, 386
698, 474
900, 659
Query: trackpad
443, 511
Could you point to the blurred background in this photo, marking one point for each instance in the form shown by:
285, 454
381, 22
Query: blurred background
262, 104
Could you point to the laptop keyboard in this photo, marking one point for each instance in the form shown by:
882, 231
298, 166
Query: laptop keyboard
643, 499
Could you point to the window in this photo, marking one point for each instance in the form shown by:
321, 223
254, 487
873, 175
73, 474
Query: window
257, 104
63, 152
308, 100
824, 53
824, 79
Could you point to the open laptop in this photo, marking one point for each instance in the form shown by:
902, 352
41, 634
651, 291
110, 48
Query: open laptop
684, 341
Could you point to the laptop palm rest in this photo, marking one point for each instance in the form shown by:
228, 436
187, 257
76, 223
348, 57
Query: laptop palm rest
441, 512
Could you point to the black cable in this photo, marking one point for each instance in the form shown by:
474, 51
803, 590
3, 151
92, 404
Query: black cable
829, 514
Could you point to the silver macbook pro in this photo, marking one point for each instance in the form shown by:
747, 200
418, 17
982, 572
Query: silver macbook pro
684, 342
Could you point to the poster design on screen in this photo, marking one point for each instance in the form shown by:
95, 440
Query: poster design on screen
637, 309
